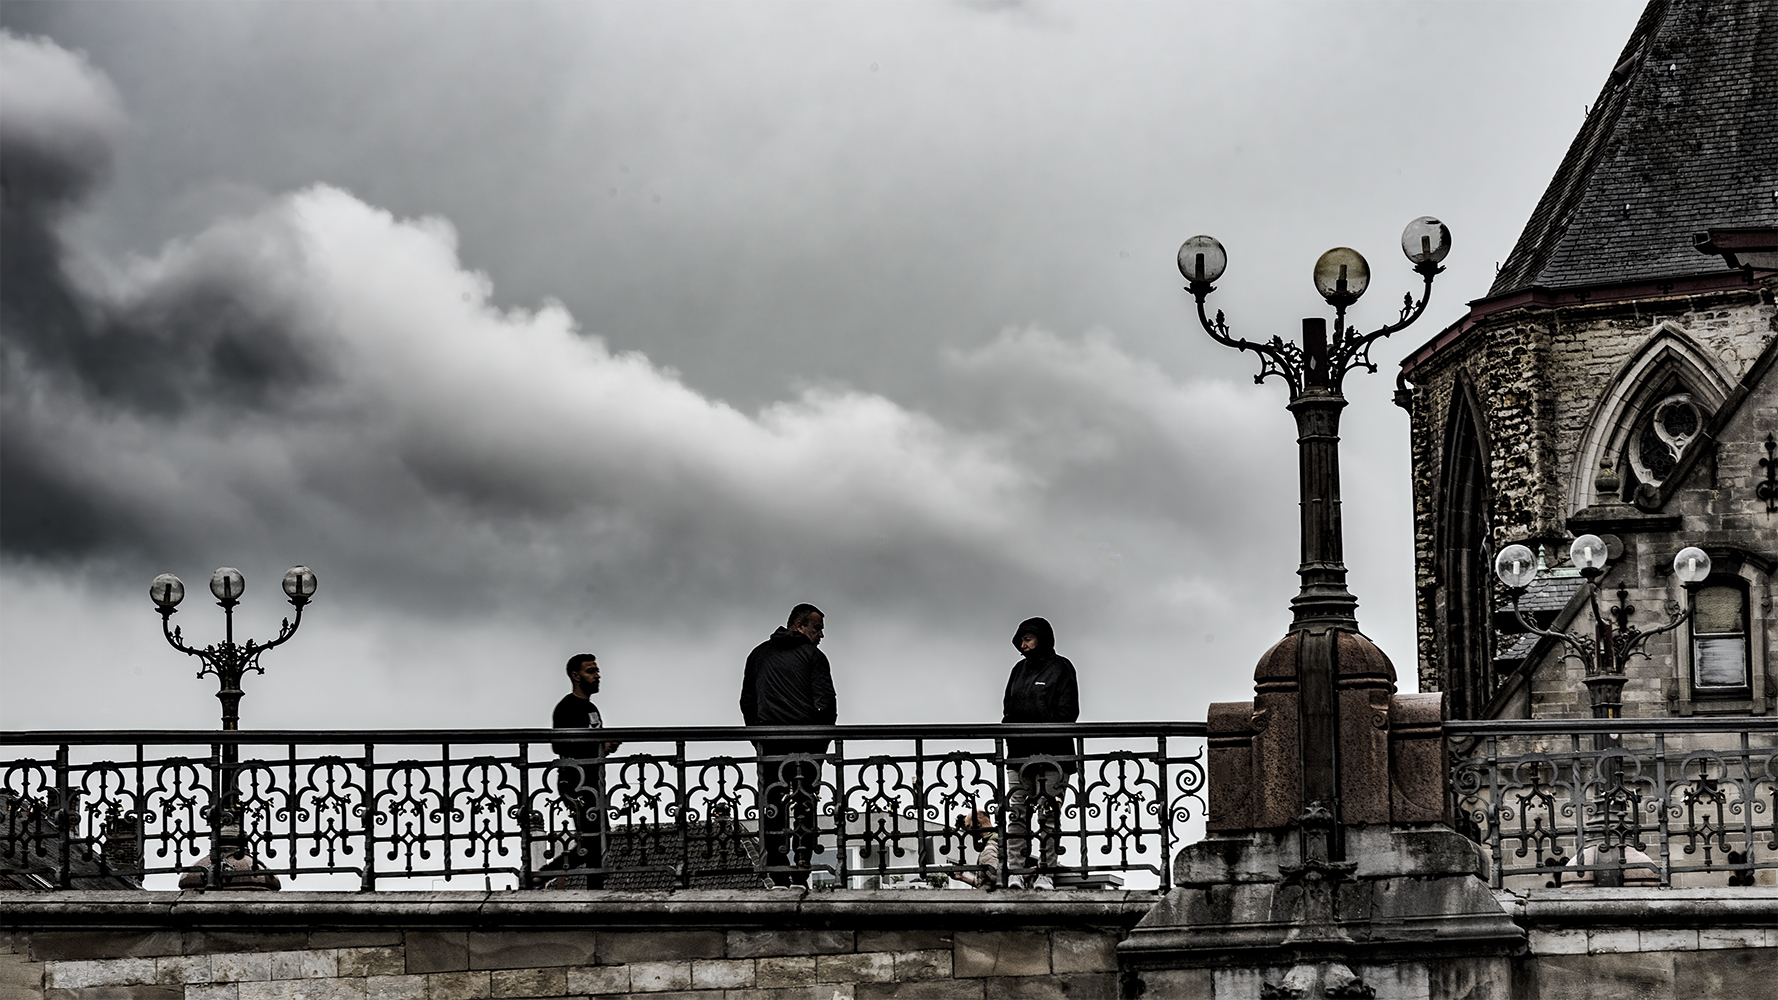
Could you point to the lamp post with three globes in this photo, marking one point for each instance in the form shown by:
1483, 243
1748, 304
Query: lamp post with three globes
229, 661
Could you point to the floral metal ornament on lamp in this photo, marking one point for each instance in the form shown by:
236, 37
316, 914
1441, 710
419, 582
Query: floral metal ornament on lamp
229, 661
1613, 640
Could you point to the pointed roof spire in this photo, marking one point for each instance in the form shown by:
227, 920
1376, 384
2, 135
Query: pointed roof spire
1683, 139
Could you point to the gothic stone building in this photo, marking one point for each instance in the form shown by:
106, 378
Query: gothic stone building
1618, 379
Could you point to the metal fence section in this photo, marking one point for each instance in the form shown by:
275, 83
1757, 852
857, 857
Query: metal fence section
669, 808
1619, 801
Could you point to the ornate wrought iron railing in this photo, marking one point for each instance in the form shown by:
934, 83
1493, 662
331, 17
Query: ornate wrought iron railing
1619, 801
676, 808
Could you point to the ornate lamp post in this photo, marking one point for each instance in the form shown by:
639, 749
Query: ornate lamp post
1605, 652
1324, 612
1613, 640
229, 661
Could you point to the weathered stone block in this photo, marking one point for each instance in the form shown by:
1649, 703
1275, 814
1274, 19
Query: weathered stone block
20, 977
900, 940
622, 947
826, 991
1084, 986
869, 967
354, 939
371, 962
1001, 953
722, 973
211, 942
599, 979
530, 949
936, 989
240, 967
1562, 942
177, 970
458, 986
395, 988
1178, 983
436, 951
912, 966
1083, 951
303, 989
1731, 937
1668, 939
1599, 977
789, 970
225, 992
529, 982
1613, 940
653, 977
317, 964
761, 944
75, 945
101, 972
1746, 972
143, 991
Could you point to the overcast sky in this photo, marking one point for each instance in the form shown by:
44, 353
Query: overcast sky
624, 327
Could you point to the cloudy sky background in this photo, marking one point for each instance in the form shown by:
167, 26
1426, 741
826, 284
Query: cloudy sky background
623, 327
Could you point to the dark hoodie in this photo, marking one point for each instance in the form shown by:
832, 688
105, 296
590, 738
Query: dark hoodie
1041, 689
787, 683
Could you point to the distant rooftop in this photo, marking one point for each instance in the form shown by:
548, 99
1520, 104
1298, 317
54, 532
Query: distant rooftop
1682, 139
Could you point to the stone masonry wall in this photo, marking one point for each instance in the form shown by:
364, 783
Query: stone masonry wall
1538, 376
897, 948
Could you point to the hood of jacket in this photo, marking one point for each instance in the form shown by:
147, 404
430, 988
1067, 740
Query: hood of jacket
787, 638
1046, 636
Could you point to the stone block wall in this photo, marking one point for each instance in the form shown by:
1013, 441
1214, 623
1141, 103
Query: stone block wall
772, 949
1537, 377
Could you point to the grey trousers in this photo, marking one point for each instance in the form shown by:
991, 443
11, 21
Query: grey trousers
1030, 787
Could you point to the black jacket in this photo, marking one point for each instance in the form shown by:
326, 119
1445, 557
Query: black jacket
787, 683
1042, 688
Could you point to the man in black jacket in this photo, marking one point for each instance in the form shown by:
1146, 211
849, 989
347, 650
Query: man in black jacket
789, 683
1041, 689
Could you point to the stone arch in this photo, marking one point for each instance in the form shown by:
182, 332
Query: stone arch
1669, 357
1462, 553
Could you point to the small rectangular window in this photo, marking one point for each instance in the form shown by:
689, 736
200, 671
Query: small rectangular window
1719, 637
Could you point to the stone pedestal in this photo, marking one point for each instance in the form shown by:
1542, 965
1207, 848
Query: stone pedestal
1408, 914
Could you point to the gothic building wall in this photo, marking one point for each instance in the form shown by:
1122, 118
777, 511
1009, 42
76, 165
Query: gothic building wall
1533, 400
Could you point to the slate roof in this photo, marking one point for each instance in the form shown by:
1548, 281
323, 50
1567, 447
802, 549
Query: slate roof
1683, 138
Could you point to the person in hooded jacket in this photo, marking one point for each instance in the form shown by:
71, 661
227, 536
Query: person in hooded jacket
788, 682
1042, 688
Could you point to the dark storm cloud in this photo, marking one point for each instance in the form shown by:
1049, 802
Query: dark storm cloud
323, 376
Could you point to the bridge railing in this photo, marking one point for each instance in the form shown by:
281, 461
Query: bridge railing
669, 808
1619, 801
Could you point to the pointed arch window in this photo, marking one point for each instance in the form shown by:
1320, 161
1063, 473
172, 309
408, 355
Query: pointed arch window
1663, 429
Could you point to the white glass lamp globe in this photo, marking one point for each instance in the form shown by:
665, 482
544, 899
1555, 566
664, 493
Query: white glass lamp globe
1516, 566
1588, 552
1426, 240
299, 583
1692, 565
227, 583
167, 590
1342, 275
1201, 259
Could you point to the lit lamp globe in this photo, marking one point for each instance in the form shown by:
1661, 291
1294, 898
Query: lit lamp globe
1516, 567
1691, 565
1341, 276
227, 583
1588, 554
1426, 241
1202, 260
299, 584
166, 591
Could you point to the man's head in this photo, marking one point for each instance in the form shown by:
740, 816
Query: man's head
807, 619
1034, 637
583, 673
